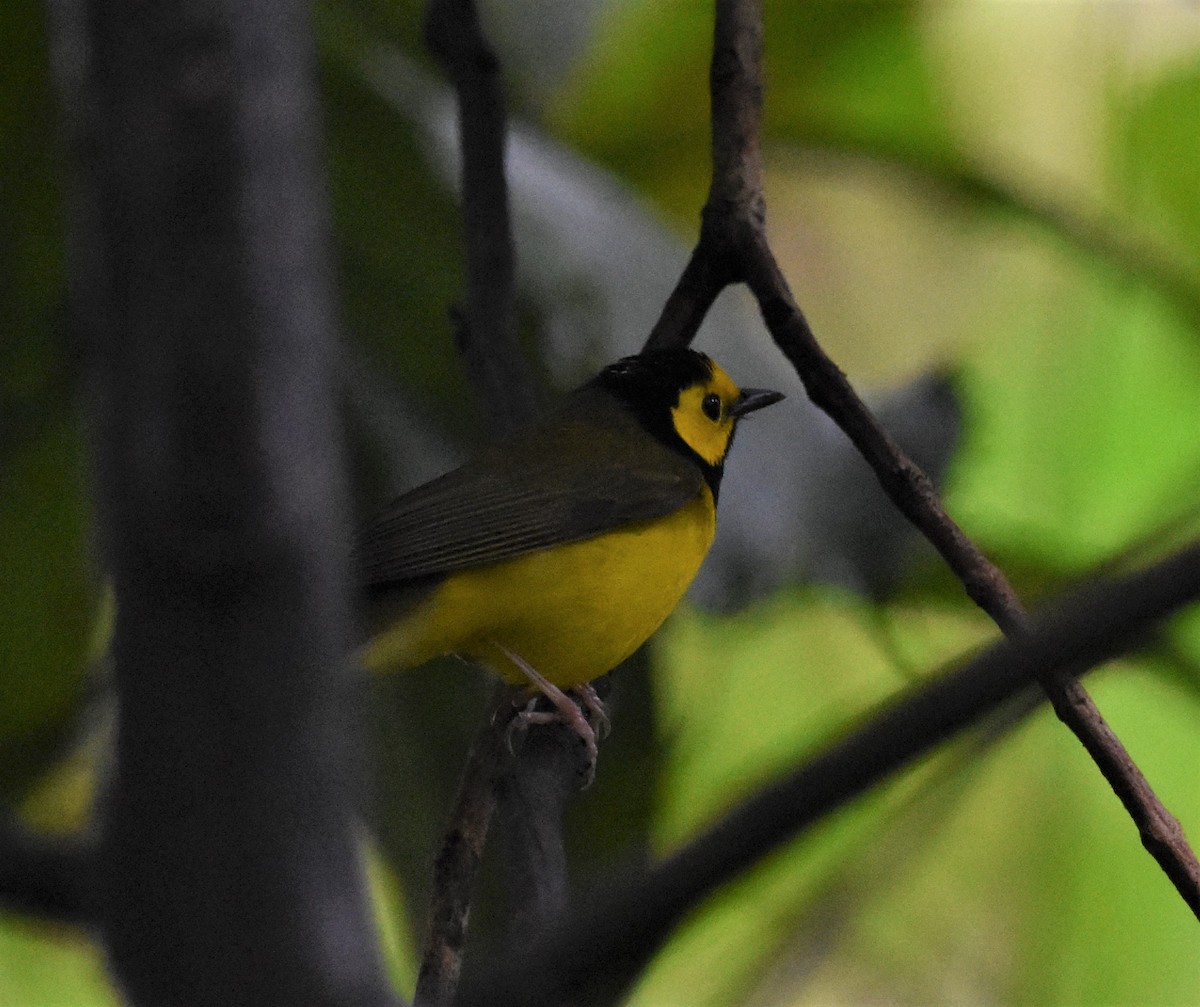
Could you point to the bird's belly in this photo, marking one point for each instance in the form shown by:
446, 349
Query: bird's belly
574, 611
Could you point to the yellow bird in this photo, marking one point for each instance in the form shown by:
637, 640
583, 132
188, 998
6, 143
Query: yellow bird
557, 552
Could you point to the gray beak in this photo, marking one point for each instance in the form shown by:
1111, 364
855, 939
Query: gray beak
754, 398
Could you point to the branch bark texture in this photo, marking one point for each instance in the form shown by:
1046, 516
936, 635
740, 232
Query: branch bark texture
457, 864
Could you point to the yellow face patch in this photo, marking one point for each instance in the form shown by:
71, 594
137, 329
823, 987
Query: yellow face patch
702, 416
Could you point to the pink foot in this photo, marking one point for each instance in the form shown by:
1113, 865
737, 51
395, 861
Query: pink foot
565, 711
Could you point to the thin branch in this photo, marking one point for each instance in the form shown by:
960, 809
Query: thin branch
733, 236
736, 189
604, 944
487, 330
531, 791
913, 494
704, 277
458, 860
735, 87
903, 481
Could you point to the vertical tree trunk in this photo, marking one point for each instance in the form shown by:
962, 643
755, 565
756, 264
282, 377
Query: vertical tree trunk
202, 300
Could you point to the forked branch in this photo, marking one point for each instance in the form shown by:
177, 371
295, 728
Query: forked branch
733, 247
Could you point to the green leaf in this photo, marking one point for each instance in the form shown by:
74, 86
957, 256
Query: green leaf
45, 601
852, 75
1082, 417
1156, 154
47, 966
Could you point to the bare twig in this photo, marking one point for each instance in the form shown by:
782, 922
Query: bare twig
487, 330
733, 237
458, 861
704, 277
530, 792
735, 87
603, 945
736, 190
903, 481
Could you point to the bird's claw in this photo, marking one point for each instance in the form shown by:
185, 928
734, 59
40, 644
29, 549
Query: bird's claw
595, 709
566, 711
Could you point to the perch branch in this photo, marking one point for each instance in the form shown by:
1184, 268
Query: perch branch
733, 236
458, 861
530, 792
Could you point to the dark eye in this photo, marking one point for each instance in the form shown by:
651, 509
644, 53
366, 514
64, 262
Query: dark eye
712, 406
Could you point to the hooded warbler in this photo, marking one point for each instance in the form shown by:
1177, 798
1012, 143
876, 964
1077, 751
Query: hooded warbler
555, 553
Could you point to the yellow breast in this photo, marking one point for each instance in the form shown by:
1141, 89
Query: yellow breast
574, 612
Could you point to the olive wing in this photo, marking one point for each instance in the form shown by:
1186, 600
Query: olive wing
564, 483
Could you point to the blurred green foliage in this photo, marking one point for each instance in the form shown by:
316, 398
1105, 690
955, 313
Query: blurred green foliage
45, 616
1006, 192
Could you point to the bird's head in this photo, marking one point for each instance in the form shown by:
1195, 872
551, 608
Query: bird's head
687, 401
